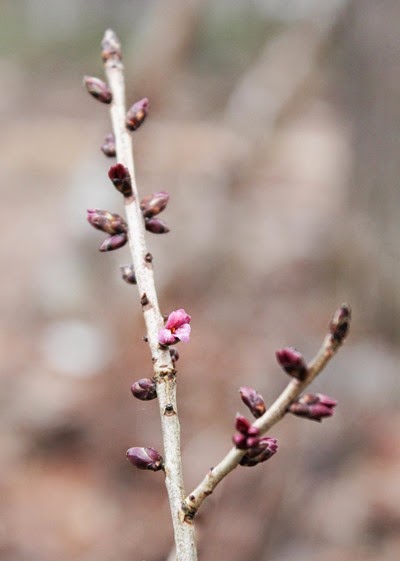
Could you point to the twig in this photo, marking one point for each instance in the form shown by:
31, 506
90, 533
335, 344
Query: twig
164, 371
276, 411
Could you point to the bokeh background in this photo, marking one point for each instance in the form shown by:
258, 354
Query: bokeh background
275, 127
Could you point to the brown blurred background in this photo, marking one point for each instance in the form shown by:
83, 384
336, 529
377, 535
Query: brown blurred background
275, 126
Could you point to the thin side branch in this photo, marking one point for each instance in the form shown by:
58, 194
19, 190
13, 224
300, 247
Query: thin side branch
275, 413
164, 371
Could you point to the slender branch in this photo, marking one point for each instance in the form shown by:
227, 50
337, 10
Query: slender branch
164, 371
276, 411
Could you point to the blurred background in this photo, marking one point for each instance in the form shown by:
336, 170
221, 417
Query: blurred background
275, 127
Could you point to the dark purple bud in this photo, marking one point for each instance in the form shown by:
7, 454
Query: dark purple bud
264, 450
242, 424
128, 274
292, 362
145, 458
340, 323
144, 389
98, 89
174, 354
114, 242
107, 221
121, 179
151, 205
313, 406
156, 226
253, 400
137, 114
108, 146
110, 46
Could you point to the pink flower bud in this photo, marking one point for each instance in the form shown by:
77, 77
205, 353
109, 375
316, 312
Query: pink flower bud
340, 323
107, 221
292, 362
264, 450
313, 406
114, 242
108, 146
176, 329
156, 226
98, 89
137, 114
144, 389
240, 441
121, 179
242, 424
151, 205
128, 274
145, 458
253, 400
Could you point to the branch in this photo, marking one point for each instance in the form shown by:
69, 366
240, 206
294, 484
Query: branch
338, 330
164, 371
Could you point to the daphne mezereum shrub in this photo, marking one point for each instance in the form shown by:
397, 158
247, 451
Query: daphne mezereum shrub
250, 446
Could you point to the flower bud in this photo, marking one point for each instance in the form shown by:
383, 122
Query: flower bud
292, 362
156, 226
264, 450
108, 146
121, 179
242, 424
253, 400
114, 242
174, 354
137, 114
154, 204
98, 89
107, 221
313, 406
145, 458
144, 389
128, 274
340, 323
110, 46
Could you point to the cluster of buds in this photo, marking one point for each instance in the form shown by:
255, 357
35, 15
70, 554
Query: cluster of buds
313, 406
145, 458
293, 363
258, 449
112, 224
265, 448
247, 436
253, 400
151, 205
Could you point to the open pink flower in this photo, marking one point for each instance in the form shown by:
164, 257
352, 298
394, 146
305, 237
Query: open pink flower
176, 329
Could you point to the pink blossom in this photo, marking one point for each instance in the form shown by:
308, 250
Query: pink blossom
176, 329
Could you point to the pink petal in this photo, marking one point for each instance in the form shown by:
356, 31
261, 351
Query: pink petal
177, 319
183, 333
165, 337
